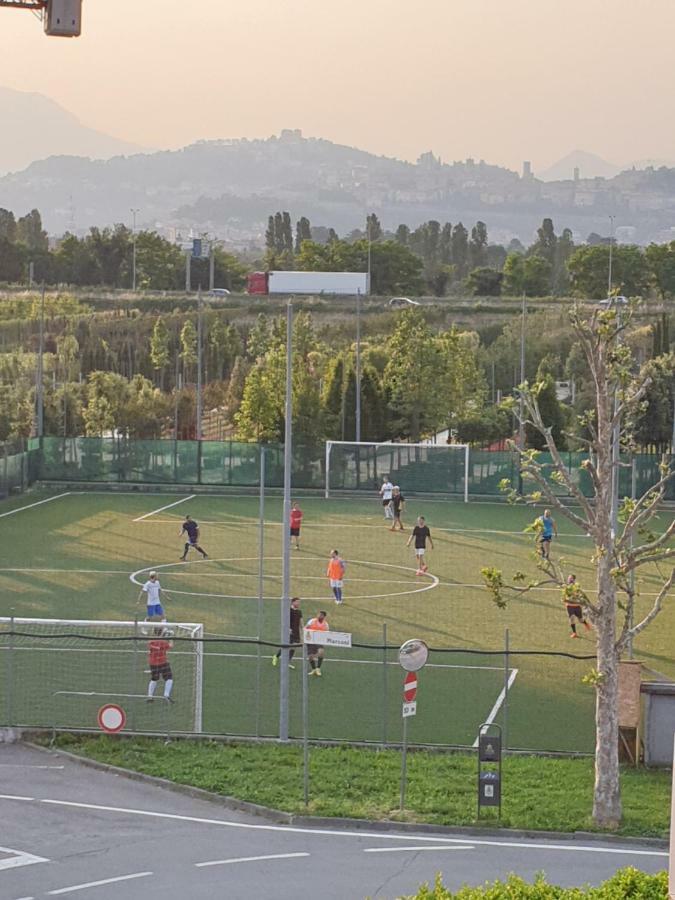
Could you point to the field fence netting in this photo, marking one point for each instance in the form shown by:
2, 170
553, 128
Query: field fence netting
60, 678
116, 460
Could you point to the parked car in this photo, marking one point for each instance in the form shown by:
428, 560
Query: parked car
219, 292
403, 301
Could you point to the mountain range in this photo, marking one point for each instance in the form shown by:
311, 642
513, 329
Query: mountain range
229, 187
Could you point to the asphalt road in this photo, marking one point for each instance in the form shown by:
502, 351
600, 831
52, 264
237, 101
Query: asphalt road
68, 830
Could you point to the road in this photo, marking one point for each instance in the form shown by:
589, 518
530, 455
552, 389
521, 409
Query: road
68, 830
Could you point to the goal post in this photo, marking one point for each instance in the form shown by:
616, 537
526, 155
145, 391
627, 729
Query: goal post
59, 672
416, 468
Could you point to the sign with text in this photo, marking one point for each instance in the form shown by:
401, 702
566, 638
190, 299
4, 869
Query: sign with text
410, 709
328, 638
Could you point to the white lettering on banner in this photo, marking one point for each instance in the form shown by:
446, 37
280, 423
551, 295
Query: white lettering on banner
328, 638
410, 709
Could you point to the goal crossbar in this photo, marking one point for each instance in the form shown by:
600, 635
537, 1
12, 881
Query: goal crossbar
399, 447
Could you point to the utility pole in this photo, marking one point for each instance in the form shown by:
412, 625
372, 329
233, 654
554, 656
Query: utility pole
133, 260
212, 266
521, 423
286, 557
39, 387
611, 246
358, 367
199, 363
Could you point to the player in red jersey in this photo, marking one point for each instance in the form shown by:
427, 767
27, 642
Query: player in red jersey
296, 522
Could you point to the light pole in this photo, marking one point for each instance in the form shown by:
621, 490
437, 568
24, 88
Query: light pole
286, 546
133, 261
358, 367
611, 246
521, 423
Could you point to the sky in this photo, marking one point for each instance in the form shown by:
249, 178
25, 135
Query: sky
500, 80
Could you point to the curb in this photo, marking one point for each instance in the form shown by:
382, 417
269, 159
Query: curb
388, 825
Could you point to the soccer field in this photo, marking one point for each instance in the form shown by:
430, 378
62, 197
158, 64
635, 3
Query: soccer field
77, 556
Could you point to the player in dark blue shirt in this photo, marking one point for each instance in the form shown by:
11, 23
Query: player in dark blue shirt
191, 529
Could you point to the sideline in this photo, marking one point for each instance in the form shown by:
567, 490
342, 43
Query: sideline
162, 508
38, 503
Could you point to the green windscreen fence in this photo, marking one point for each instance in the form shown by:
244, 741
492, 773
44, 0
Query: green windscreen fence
435, 469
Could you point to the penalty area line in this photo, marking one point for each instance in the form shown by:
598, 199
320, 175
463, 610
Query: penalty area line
31, 505
498, 702
162, 508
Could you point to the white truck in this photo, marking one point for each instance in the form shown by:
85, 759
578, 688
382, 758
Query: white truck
334, 283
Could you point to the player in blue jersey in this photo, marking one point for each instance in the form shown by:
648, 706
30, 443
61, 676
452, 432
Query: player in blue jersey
546, 528
191, 529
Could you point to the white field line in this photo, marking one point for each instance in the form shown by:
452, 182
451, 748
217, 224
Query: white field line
244, 859
31, 505
571, 847
162, 508
18, 858
90, 884
64, 571
498, 702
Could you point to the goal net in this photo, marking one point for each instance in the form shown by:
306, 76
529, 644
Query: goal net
58, 673
416, 468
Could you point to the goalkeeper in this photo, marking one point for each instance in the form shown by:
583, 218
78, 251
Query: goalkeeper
158, 650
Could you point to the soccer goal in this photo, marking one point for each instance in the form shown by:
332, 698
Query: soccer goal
59, 672
416, 468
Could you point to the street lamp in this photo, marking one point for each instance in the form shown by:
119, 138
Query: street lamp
133, 264
611, 246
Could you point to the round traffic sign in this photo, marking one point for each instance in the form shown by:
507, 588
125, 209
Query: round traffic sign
111, 718
410, 687
413, 655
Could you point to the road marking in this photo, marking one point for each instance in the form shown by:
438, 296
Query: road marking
294, 829
90, 884
20, 766
243, 859
31, 505
413, 849
19, 858
498, 702
162, 508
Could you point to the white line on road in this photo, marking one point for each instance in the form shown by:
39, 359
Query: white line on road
162, 508
498, 702
31, 505
243, 859
413, 849
294, 829
20, 766
18, 858
90, 884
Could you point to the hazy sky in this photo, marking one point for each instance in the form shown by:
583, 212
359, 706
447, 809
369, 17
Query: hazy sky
503, 80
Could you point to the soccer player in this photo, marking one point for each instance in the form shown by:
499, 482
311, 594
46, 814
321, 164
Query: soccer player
335, 574
159, 664
153, 597
315, 651
294, 634
571, 598
397, 506
191, 529
386, 492
296, 522
547, 528
421, 534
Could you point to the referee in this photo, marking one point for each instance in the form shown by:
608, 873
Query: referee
294, 634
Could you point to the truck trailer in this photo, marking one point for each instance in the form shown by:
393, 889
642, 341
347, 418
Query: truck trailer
337, 283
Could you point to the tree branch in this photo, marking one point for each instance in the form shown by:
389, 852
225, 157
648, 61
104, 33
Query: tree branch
651, 615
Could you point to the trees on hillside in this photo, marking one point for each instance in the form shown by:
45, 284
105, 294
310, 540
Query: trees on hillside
626, 549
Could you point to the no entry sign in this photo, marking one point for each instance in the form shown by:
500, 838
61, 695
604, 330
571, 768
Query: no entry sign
410, 687
111, 718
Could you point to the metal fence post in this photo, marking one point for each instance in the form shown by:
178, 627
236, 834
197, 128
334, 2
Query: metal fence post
507, 674
10, 672
132, 716
385, 686
305, 724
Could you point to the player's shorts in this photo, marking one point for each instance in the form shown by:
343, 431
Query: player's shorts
161, 671
294, 638
191, 541
155, 609
336, 582
397, 512
419, 551
575, 611
386, 502
546, 538
295, 532
314, 649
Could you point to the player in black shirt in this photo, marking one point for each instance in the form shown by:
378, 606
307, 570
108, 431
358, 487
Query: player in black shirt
421, 534
397, 504
296, 626
191, 529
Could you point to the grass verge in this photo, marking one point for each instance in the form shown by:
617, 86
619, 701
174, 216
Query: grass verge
538, 793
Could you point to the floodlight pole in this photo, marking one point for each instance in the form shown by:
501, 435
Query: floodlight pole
521, 414
133, 263
611, 246
39, 387
285, 530
199, 362
358, 367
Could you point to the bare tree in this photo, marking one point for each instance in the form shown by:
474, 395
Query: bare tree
625, 549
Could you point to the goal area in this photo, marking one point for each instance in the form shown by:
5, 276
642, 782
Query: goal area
58, 673
415, 468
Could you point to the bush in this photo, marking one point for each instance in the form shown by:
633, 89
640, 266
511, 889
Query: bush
624, 883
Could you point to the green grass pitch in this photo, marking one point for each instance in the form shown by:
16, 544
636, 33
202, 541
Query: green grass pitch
72, 557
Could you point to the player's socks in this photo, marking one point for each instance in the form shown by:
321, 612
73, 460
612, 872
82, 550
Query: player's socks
151, 689
168, 685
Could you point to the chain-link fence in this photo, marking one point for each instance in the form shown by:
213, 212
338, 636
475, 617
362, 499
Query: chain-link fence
14, 474
59, 678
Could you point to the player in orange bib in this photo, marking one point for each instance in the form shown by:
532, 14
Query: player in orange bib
315, 651
335, 574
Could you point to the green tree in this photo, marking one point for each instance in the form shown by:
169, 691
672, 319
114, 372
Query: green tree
303, 232
653, 424
445, 244
160, 265
478, 246
550, 410
588, 268
529, 275
485, 282
29, 231
159, 348
188, 344
332, 398
460, 250
235, 387
403, 235
661, 262
546, 244
373, 228
7, 226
